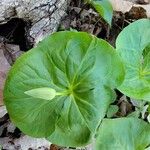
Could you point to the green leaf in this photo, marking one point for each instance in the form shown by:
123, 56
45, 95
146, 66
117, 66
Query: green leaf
104, 8
135, 114
82, 69
133, 45
112, 110
149, 108
123, 134
43, 93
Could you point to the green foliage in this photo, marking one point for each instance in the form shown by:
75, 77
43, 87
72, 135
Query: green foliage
104, 8
62, 88
112, 110
133, 45
123, 134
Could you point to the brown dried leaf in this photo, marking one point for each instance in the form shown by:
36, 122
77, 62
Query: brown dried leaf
4, 68
54, 147
125, 6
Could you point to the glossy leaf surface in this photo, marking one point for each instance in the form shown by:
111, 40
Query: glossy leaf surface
123, 134
133, 45
81, 69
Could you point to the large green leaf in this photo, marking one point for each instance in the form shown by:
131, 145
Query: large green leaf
104, 8
79, 71
123, 134
133, 46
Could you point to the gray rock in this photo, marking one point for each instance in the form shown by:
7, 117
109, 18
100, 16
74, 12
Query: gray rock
3, 111
44, 15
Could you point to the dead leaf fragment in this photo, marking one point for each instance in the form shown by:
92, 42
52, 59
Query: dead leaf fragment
125, 6
54, 147
4, 68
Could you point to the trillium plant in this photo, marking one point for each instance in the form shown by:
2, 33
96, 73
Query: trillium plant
62, 89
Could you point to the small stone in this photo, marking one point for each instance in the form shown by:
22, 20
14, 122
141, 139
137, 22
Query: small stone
11, 128
13, 52
3, 111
